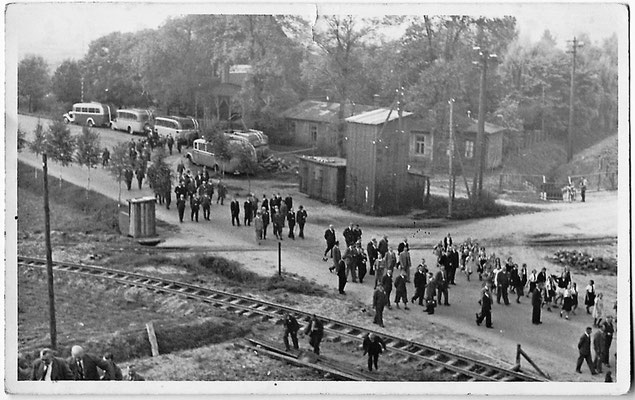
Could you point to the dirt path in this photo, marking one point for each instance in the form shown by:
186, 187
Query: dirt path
552, 345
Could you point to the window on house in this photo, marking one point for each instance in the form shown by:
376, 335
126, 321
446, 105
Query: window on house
313, 129
422, 143
469, 149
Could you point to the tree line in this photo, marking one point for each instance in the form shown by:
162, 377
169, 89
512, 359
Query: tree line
345, 59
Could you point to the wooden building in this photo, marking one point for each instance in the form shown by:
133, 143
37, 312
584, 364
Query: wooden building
323, 178
377, 179
313, 123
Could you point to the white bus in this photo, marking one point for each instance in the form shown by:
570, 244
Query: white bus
132, 121
182, 129
90, 114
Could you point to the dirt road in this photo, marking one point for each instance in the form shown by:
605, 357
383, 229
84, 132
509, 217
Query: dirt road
552, 345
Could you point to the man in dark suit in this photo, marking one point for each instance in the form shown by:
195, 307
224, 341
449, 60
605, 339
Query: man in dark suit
486, 309
584, 347
371, 251
50, 368
84, 366
453, 263
247, 207
599, 342
300, 218
536, 304
442, 285
329, 236
234, 207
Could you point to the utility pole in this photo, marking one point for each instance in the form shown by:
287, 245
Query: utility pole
574, 48
49, 255
451, 157
477, 187
542, 112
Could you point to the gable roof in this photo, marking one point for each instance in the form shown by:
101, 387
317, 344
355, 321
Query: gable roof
322, 111
377, 116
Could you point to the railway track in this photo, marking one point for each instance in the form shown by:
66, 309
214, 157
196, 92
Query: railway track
455, 367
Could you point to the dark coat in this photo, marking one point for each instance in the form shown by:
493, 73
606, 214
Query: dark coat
536, 298
291, 219
371, 250
349, 236
382, 247
300, 216
441, 280
400, 284
90, 368
486, 302
265, 203
60, 371
380, 299
375, 346
329, 235
420, 279
247, 208
341, 269
386, 282
584, 345
234, 206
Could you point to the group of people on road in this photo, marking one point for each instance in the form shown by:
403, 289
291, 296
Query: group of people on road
276, 211
601, 340
80, 366
197, 190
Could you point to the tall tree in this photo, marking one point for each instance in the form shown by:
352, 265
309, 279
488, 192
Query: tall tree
60, 144
341, 40
88, 151
33, 80
66, 83
120, 161
38, 145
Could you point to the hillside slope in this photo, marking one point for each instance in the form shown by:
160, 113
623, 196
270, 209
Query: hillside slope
600, 157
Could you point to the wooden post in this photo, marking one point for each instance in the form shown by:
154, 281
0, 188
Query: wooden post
451, 158
279, 259
49, 254
533, 364
153, 339
500, 183
518, 355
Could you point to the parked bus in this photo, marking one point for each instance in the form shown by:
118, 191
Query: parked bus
259, 140
182, 129
202, 153
132, 121
90, 114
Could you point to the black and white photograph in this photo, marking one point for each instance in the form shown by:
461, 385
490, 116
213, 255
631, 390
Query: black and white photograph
310, 198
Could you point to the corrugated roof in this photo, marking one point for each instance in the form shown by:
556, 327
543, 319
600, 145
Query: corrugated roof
489, 128
376, 117
322, 111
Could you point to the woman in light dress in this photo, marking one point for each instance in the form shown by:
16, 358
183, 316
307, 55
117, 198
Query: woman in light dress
598, 310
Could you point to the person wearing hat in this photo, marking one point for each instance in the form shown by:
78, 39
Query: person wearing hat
373, 346
300, 218
50, 368
584, 348
380, 299
486, 308
291, 327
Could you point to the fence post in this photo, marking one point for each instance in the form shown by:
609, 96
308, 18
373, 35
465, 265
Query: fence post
500, 183
279, 259
599, 181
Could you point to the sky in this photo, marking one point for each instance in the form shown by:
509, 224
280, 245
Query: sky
60, 30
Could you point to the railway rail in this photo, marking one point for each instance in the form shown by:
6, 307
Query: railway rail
453, 366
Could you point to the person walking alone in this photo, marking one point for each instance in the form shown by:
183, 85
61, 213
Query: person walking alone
536, 304
373, 346
420, 283
300, 218
341, 276
329, 236
486, 309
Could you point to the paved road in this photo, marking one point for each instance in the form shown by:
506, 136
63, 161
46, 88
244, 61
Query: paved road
552, 344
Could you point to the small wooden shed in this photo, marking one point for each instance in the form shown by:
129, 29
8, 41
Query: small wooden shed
141, 212
378, 145
323, 178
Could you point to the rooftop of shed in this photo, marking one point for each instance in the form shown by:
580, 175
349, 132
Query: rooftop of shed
323, 111
377, 116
